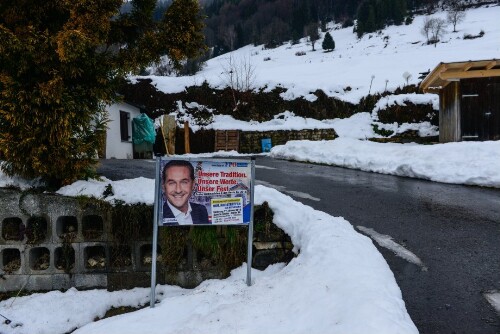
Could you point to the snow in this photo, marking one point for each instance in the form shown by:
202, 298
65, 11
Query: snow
424, 129
121, 190
338, 283
57, 312
283, 121
493, 297
346, 73
400, 99
16, 181
472, 163
357, 126
387, 242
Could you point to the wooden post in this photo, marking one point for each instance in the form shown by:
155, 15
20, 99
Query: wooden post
163, 136
187, 147
168, 130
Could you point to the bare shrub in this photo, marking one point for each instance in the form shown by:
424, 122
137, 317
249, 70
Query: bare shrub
239, 75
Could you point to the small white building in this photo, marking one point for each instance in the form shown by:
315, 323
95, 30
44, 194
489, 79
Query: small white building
119, 134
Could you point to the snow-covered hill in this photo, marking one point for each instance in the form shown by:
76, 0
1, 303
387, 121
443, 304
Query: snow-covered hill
356, 67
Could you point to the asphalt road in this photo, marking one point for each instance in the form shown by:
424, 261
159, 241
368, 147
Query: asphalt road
453, 229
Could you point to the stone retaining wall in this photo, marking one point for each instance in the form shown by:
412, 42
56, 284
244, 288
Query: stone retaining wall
250, 141
203, 141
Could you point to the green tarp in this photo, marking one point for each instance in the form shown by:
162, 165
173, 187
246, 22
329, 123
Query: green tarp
143, 130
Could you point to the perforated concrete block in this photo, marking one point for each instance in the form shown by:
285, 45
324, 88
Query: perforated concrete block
62, 254
91, 250
91, 281
38, 282
62, 281
35, 259
12, 282
9, 253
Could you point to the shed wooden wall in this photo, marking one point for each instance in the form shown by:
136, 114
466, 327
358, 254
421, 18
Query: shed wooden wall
449, 113
480, 108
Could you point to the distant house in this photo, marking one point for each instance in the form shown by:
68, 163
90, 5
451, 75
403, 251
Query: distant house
119, 144
469, 99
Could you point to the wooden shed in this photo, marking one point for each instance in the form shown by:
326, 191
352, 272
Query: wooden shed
469, 99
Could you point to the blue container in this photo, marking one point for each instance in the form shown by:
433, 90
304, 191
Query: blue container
266, 144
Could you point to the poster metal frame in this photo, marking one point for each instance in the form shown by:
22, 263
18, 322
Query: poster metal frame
156, 216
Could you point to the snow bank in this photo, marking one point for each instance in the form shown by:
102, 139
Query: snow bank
473, 163
338, 283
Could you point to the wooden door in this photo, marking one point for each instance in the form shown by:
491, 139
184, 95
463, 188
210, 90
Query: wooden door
480, 109
227, 140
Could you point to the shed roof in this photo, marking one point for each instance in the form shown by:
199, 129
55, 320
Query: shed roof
445, 73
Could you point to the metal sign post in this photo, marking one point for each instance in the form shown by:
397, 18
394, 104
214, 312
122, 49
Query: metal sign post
250, 229
155, 233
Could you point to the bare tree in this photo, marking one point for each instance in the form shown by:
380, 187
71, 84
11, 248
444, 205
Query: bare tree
437, 30
239, 76
311, 30
426, 28
456, 14
229, 37
433, 29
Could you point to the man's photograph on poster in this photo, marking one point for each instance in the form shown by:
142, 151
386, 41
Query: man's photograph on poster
178, 184
199, 192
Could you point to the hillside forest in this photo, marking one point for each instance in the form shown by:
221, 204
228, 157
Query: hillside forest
231, 24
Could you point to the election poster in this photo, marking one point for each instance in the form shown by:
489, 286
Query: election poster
205, 192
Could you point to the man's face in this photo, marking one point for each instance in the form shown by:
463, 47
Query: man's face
178, 187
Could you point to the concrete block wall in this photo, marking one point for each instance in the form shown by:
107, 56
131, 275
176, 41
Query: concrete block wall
78, 233
67, 229
39, 231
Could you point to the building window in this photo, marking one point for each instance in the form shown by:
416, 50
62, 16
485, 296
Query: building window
125, 125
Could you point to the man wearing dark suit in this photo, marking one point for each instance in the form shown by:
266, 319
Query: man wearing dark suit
178, 185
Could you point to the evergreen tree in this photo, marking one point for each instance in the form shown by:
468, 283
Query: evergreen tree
328, 42
376, 14
371, 23
61, 62
398, 11
366, 18
181, 33
300, 18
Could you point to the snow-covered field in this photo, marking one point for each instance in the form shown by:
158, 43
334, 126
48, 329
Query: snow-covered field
347, 72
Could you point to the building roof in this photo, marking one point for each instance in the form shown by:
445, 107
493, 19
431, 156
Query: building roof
445, 73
